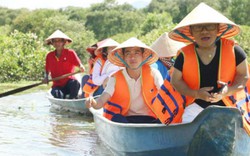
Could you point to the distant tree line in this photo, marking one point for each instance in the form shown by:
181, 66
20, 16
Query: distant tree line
23, 31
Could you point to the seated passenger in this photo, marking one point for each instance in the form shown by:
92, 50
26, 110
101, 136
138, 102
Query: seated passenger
166, 49
130, 91
212, 70
92, 59
59, 62
101, 68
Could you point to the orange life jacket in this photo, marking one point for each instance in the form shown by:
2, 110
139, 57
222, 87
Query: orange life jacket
120, 102
246, 114
226, 70
89, 86
226, 73
169, 104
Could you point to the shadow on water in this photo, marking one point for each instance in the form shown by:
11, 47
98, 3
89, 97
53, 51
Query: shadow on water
28, 126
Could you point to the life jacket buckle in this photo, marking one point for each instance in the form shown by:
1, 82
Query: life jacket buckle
163, 110
232, 99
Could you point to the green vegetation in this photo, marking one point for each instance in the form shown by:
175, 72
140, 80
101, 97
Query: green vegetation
22, 31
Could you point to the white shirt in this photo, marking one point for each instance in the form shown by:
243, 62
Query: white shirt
98, 75
137, 106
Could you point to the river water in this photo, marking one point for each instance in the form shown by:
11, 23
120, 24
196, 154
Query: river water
29, 126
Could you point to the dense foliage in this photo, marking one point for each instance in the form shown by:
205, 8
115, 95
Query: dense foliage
22, 57
22, 31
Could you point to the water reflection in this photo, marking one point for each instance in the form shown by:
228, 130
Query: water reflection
28, 126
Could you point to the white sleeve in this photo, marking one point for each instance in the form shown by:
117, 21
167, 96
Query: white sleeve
107, 70
96, 72
110, 88
158, 80
111, 69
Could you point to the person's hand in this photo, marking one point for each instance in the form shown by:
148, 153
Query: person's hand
91, 61
217, 96
82, 68
203, 94
45, 80
89, 102
224, 87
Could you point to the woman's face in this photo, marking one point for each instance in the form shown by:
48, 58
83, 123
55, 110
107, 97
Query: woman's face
106, 52
204, 34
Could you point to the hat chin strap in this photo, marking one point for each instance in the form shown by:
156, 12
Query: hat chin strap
228, 28
218, 38
142, 63
183, 36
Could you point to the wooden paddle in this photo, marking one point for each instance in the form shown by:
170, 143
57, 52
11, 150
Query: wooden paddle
34, 85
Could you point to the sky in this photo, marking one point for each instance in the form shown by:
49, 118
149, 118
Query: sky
56, 4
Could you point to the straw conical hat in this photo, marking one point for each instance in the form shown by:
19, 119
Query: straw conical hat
58, 34
105, 43
200, 15
166, 47
132, 42
91, 49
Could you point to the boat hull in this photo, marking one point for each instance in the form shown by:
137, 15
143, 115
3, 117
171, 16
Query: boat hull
178, 139
72, 105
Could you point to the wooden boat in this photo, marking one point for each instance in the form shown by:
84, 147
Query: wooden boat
215, 131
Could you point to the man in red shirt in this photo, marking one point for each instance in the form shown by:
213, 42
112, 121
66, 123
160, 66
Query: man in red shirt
59, 62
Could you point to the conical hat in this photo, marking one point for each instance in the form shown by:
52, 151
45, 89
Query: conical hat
58, 34
132, 42
166, 47
105, 43
200, 15
91, 49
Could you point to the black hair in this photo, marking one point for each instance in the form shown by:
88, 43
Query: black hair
104, 52
142, 49
123, 51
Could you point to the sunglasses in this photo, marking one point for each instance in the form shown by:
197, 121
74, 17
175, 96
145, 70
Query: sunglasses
208, 27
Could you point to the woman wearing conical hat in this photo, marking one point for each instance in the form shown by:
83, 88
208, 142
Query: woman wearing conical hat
212, 68
130, 91
91, 50
91, 60
59, 62
166, 49
102, 68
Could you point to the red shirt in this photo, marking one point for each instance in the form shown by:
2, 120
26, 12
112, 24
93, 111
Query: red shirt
65, 64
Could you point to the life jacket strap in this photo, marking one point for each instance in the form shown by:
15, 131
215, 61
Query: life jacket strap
240, 103
115, 105
165, 107
108, 112
91, 85
171, 96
